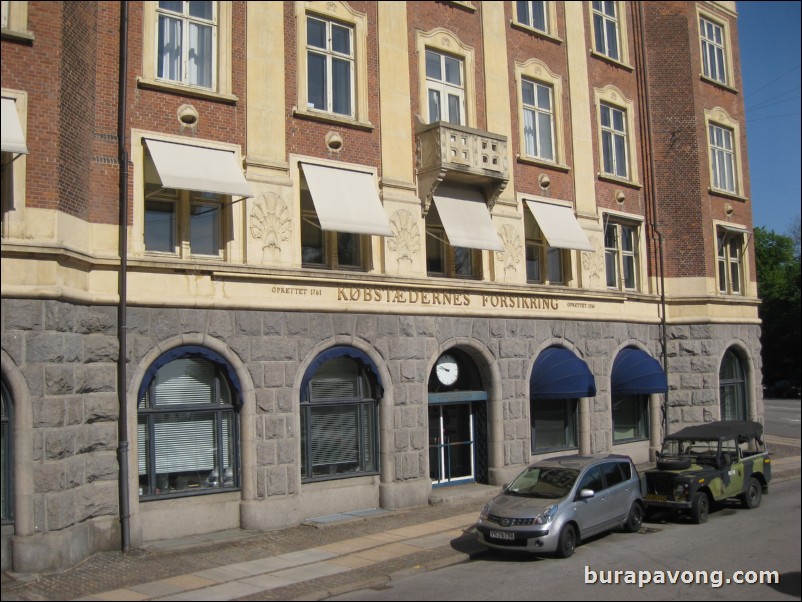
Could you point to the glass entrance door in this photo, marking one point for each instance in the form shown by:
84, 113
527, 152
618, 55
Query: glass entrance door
451, 443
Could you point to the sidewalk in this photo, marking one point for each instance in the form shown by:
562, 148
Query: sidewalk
322, 558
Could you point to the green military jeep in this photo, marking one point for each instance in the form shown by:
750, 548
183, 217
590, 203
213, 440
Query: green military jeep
709, 463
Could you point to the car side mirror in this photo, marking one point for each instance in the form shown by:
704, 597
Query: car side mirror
585, 494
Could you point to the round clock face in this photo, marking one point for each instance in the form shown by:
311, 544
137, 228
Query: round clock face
447, 369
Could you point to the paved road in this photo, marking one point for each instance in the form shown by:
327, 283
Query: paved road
734, 539
782, 417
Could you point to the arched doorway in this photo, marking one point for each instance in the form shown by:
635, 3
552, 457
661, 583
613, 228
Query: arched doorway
457, 421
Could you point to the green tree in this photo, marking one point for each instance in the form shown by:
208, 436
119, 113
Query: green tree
778, 281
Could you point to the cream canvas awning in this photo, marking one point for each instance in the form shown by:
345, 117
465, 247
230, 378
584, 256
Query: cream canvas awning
188, 167
466, 219
346, 200
559, 226
13, 140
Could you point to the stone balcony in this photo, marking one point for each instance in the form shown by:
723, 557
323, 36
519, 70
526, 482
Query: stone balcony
460, 155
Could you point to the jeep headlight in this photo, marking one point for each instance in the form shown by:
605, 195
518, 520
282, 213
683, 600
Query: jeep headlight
545, 517
680, 490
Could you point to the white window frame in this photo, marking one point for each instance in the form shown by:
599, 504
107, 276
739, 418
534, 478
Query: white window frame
615, 99
187, 21
532, 139
537, 72
601, 20
444, 42
719, 155
445, 89
528, 20
342, 14
729, 262
15, 20
222, 55
622, 255
331, 55
613, 153
722, 158
723, 46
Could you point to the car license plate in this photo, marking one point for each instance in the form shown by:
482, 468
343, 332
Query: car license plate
502, 535
653, 497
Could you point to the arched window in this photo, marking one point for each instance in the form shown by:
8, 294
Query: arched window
732, 387
339, 416
7, 465
188, 427
559, 379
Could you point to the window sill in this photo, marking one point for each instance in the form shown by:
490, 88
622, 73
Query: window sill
612, 61
152, 84
718, 84
535, 32
332, 119
13, 35
727, 195
616, 180
542, 163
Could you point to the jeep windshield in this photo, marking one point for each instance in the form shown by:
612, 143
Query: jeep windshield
699, 452
545, 482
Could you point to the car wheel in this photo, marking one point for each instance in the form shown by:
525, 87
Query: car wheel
635, 518
753, 495
700, 508
567, 542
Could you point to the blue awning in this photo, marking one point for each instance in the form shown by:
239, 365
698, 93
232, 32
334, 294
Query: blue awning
635, 372
559, 374
335, 352
190, 351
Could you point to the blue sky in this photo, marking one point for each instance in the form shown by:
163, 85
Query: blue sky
769, 36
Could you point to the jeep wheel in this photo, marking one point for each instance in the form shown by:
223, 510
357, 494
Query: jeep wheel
635, 518
751, 498
567, 542
700, 508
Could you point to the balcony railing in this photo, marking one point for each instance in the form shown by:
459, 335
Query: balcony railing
463, 155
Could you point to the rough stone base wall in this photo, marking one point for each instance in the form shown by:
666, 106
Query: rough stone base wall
66, 356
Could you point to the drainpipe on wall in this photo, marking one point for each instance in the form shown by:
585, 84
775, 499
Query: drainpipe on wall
651, 197
122, 322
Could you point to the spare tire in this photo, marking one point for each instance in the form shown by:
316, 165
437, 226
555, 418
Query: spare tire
674, 463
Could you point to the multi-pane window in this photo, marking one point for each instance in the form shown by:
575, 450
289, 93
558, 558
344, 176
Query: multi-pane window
730, 262
182, 222
614, 139
445, 260
544, 264
187, 431
732, 387
329, 250
330, 66
722, 158
606, 30
621, 256
339, 421
534, 15
713, 51
538, 111
186, 42
445, 88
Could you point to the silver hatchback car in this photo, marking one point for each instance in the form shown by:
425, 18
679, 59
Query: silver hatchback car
554, 504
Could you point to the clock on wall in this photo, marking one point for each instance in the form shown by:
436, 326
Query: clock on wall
447, 369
